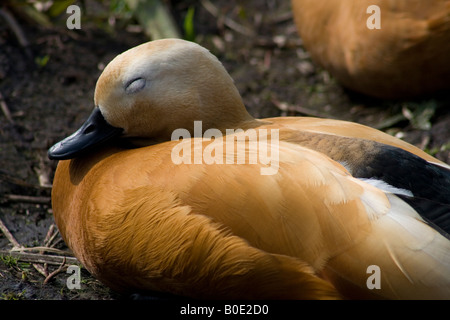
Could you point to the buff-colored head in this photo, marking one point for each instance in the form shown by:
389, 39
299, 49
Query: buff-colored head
159, 86
151, 90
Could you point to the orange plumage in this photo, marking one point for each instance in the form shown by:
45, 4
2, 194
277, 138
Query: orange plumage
140, 222
406, 57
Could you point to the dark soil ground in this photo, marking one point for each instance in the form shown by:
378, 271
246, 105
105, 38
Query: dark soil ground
49, 100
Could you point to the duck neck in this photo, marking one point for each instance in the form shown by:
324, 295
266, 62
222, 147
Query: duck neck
239, 119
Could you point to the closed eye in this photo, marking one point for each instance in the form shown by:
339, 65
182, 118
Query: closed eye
135, 85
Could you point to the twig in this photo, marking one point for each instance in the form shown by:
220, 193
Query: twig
49, 241
50, 235
18, 246
55, 243
28, 199
20, 35
4, 175
41, 250
9, 236
286, 107
54, 273
282, 17
390, 121
42, 270
5, 109
212, 9
39, 258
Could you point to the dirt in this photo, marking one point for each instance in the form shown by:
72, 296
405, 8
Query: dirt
48, 101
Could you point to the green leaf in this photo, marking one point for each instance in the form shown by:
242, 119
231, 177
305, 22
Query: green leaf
38, 17
189, 32
155, 18
420, 115
42, 61
59, 7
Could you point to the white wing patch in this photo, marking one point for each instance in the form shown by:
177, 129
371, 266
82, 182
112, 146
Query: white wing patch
382, 185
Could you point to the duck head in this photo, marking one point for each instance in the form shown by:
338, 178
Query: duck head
153, 89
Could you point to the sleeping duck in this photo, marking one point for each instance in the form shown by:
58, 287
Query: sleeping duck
171, 186
382, 48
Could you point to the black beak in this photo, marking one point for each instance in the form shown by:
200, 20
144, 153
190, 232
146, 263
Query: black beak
92, 133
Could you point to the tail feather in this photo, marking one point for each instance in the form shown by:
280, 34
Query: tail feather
436, 214
414, 260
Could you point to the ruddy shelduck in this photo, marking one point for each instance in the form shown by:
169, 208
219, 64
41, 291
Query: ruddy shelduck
383, 48
348, 212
